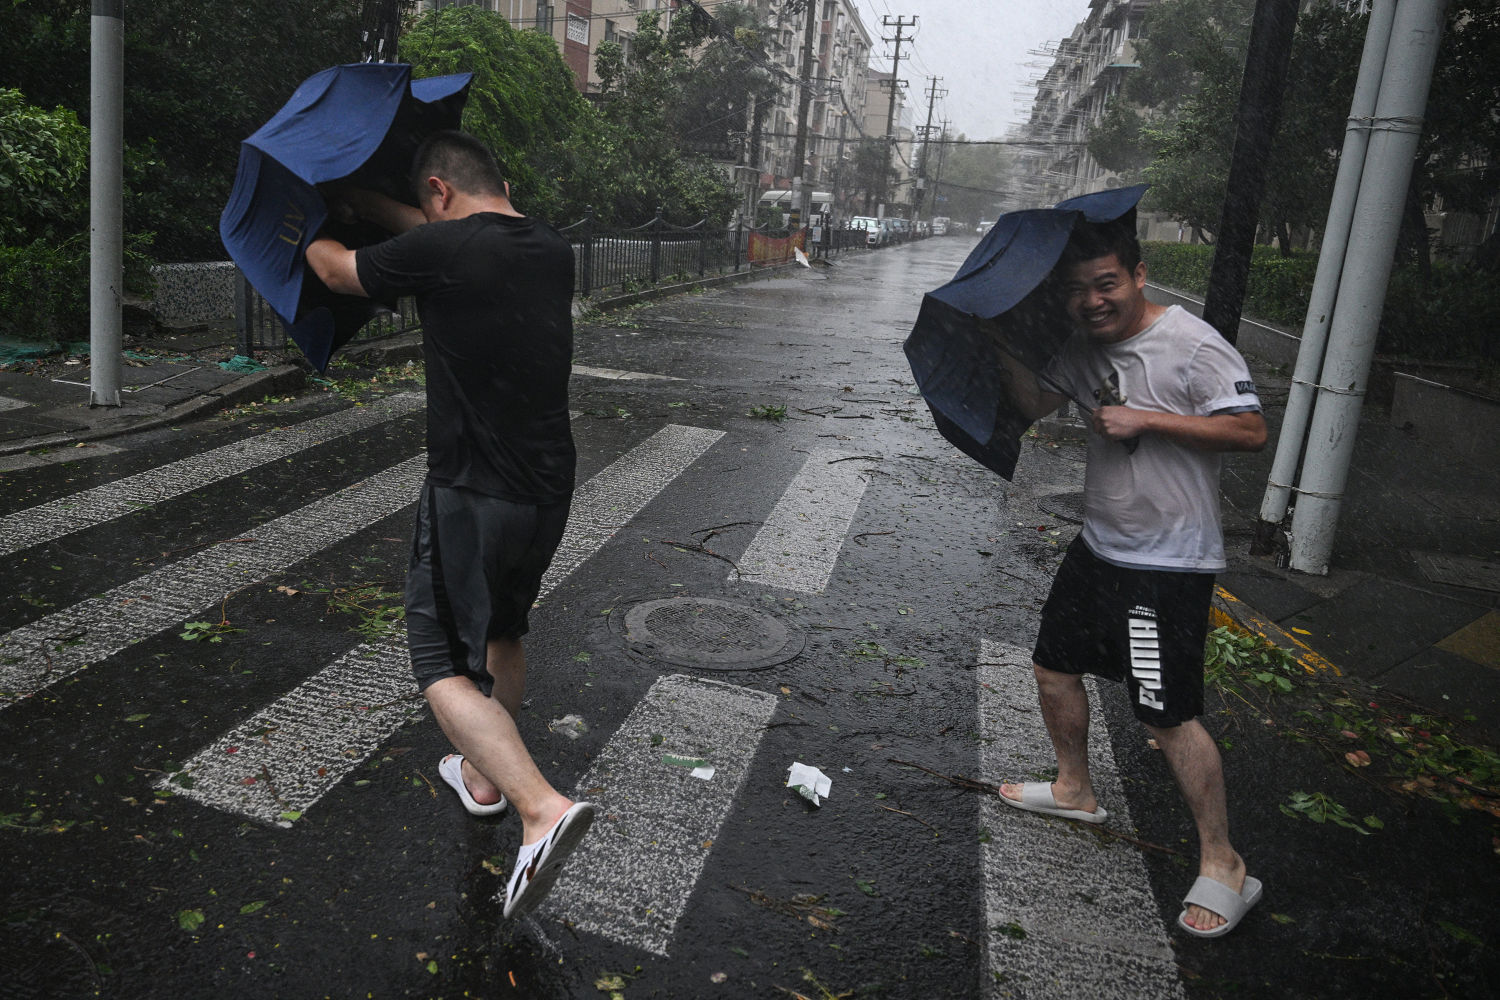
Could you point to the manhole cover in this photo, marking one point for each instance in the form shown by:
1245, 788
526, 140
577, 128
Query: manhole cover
1068, 506
714, 635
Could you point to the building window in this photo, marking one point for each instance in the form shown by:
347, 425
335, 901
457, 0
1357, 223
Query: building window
578, 29
544, 18
609, 32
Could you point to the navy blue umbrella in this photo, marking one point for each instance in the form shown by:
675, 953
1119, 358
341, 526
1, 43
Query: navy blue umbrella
357, 124
1000, 295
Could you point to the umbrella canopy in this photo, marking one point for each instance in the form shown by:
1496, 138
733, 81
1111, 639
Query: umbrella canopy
359, 124
1000, 295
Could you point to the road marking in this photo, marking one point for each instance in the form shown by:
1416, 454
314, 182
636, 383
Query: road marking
630, 880
88, 508
1066, 914
798, 545
75, 453
311, 738
42, 653
620, 376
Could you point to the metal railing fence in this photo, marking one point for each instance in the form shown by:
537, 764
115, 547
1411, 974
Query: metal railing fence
606, 260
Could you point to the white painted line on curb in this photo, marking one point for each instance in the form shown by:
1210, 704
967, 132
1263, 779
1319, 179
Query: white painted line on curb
315, 735
78, 511
631, 878
1066, 915
798, 545
45, 651
616, 374
15, 463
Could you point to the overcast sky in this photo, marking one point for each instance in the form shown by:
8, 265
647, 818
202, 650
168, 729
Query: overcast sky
980, 49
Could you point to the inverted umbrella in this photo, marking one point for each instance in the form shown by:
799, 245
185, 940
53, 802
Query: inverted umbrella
1000, 298
358, 124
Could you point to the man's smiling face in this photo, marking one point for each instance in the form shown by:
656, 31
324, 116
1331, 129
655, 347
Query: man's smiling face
1106, 300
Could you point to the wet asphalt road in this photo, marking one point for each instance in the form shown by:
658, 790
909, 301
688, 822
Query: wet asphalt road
383, 886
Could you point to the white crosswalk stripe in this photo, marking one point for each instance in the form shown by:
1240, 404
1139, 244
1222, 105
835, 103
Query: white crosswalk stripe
1082, 923
287, 756
797, 547
88, 508
42, 653
631, 879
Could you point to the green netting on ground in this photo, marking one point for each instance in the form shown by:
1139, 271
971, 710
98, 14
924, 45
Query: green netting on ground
240, 363
24, 350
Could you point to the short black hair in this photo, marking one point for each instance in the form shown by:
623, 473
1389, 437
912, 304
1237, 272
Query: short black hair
461, 160
1092, 240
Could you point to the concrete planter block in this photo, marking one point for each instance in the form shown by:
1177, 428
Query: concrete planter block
188, 294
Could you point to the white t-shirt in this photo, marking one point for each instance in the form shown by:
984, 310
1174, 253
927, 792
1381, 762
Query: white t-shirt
1157, 508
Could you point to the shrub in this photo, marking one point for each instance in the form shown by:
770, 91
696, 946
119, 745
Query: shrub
44, 287
1453, 315
44, 156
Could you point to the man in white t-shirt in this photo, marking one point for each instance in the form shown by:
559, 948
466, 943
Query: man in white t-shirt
1131, 599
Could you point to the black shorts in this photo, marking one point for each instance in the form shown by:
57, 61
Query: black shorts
476, 568
1145, 627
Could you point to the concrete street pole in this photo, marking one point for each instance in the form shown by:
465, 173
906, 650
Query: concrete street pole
106, 197
1326, 284
1415, 35
800, 190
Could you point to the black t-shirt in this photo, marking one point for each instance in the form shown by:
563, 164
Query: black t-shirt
495, 294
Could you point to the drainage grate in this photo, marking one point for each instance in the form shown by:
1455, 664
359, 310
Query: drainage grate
1068, 506
714, 635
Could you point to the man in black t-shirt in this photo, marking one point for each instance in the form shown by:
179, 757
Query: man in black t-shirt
494, 290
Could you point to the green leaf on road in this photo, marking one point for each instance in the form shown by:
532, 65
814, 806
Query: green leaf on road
1457, 933
868, 888
253, 907
190, 920
138, 717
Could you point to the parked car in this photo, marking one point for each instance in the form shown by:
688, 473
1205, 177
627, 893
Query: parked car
900, 230
876, 234
940, 226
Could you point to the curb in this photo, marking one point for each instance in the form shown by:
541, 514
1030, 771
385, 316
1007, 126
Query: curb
280, 379
1231, 612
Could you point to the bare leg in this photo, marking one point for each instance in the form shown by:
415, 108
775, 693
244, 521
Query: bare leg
495, 758
1194, 760
1065, 710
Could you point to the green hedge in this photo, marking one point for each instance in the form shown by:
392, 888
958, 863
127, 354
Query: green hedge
1454, 315
44, 287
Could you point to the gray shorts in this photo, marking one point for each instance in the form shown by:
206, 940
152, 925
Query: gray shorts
476, 568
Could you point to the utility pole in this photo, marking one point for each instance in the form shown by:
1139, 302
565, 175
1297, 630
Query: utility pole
933, 93
942, 155
106, 199
800, 190
900, 24
1261, 95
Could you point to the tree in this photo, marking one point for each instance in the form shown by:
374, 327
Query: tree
1173, 125
522, 103
975, 180
870, 171
200, 76
639, 160
728, 79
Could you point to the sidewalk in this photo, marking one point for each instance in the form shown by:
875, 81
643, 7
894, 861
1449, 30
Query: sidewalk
1412, 602
44, 403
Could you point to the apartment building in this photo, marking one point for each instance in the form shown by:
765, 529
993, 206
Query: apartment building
836, 73
1088, 68
903, 157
